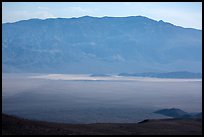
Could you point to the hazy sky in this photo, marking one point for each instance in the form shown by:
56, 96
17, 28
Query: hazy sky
186, 14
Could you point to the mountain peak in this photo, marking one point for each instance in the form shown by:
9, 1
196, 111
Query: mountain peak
161, 21
87, 17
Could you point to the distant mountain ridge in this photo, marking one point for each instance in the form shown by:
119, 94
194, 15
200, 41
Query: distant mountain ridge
178, 74
178, 113
100, 45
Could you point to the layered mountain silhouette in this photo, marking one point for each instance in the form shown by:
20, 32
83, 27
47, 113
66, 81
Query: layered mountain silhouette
100, 45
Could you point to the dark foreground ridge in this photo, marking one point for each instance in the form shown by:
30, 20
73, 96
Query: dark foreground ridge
12, 125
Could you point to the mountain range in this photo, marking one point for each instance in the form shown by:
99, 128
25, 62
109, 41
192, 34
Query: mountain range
100, 45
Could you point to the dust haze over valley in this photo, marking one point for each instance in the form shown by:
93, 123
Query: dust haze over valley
87, 69
88, 100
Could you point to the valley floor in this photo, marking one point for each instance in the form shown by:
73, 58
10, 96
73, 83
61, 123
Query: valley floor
12, 125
